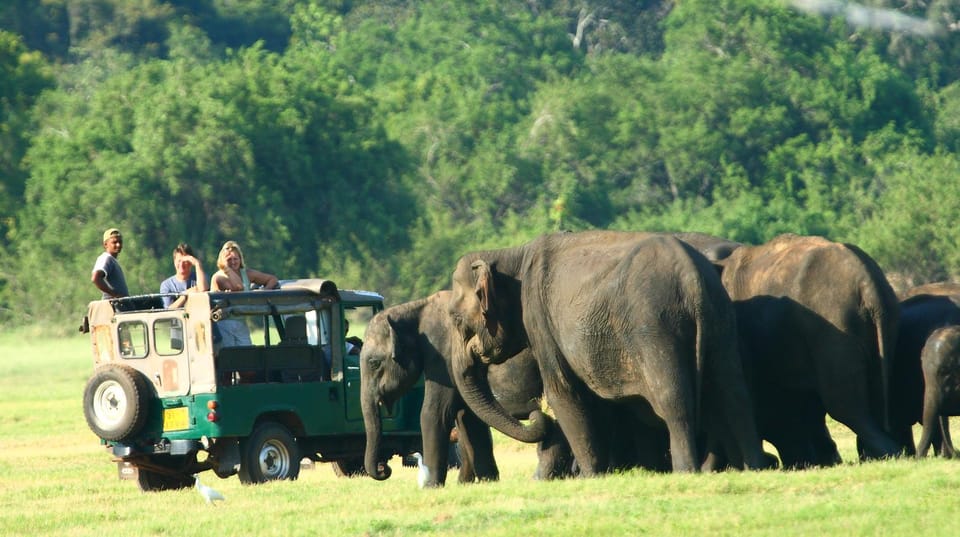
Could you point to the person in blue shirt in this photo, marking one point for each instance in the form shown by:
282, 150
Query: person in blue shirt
189, 278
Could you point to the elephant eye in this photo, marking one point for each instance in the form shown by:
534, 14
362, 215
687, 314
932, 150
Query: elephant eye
459, 323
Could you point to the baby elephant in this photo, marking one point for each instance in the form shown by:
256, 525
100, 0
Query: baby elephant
940, 360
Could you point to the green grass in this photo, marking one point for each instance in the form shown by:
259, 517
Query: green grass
55, 479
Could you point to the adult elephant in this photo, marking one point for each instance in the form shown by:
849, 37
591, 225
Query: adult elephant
412, 339
714, 248
818, 324
933, 288
920, 315
639, 321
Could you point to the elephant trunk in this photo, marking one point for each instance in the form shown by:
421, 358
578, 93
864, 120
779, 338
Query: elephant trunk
371, 421
476, 393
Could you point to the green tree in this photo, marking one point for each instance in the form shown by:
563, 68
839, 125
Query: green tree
24, 75
267, 150
911, 229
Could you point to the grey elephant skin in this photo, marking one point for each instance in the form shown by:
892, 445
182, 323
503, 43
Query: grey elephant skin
934, 288
714, 248
818, 327
928, 308
412, 339
638, 321
940, 361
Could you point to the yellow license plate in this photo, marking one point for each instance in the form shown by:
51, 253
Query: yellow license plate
175, 419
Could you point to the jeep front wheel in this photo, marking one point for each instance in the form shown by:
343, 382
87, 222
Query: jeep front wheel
269, 454
115, 402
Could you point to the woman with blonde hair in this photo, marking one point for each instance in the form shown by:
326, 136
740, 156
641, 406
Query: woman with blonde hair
235, 276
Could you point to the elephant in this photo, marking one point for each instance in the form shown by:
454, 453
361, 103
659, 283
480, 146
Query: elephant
940, 361
934, 288
920, 315
818, 327
639, 321
714, 248
407, 340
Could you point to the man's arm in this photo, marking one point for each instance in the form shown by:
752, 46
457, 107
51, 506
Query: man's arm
99, 279
201, 276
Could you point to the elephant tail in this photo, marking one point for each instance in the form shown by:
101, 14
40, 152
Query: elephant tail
701, 349
886, 347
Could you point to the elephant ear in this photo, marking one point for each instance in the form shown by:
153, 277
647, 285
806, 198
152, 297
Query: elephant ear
401, 341
483, 277
393, 338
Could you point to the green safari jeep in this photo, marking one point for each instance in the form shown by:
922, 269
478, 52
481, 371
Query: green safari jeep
174, 393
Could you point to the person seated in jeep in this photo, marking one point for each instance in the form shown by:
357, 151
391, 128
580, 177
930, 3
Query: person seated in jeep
189, 277
235, 276
352, 343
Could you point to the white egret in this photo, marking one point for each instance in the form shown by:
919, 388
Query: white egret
208, 493
423, 472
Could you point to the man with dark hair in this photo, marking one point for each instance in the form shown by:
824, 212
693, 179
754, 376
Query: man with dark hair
188, 279
107, 275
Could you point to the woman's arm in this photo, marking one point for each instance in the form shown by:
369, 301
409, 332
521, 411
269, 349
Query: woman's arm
219, 281
268, 281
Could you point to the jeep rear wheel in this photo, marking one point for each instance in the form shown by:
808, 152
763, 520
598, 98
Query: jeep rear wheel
348, 467
270, 453
115, 402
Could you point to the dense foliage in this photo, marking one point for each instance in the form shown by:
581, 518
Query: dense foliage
373, 142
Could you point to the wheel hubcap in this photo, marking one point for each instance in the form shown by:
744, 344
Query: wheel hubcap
109, 404
274, 460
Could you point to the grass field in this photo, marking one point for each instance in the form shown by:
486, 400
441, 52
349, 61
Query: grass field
55, 479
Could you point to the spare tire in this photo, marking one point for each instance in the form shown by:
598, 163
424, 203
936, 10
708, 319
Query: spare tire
116, 402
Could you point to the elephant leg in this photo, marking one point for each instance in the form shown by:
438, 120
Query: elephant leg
904, 437
641, 442
720, 451
930, 421
730, 404
468, 474
652, 448
683, 452
715, 461
795, 451
435, 457
823, 448
717, 457
846, 399
799, 432
476, 445
946, 443
792, 456
435, 430
579, 428
673, 401
674, 406
554, 457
